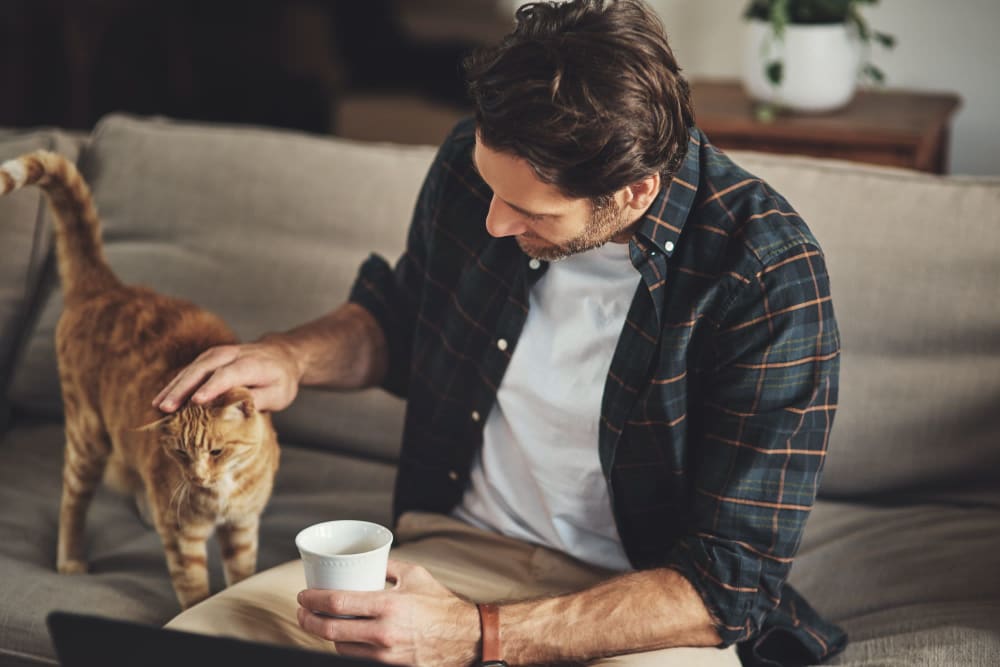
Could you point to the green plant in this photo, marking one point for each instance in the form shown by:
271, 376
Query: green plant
781, 13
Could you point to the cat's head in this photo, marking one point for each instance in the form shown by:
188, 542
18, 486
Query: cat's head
208, 440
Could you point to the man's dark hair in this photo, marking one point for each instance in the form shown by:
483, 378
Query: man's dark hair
587, 91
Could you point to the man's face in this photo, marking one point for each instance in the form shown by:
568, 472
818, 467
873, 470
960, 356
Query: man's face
545, 223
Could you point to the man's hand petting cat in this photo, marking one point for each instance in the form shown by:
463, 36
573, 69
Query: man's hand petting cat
267, 368
416, 622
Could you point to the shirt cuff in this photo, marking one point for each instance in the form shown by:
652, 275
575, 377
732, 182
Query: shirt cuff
728, 582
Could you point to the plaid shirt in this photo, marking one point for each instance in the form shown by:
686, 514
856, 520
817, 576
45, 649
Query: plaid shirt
718, 404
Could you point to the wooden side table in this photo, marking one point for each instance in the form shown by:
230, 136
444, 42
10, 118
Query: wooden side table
894, 127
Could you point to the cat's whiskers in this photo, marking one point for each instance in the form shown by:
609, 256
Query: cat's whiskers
173, 496
181, 492
187, 496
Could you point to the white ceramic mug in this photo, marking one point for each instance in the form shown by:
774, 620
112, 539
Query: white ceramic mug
345, 555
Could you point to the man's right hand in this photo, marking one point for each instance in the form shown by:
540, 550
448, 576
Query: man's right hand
267, 368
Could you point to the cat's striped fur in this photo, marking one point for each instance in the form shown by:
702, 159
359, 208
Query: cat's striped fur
201, 470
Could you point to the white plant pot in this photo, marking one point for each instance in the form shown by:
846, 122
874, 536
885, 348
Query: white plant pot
820, 65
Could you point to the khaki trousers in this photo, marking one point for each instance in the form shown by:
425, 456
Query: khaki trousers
478, 565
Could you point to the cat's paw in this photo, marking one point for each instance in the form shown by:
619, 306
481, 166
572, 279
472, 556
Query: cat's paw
72, 567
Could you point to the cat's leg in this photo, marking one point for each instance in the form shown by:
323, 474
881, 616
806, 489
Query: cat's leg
187, 559
87, 450
238, 540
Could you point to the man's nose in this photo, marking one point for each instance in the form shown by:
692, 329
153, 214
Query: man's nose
502, 220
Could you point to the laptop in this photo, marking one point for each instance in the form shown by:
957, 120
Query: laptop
83, 640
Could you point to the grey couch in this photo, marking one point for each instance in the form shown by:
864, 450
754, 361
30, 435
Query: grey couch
267, 228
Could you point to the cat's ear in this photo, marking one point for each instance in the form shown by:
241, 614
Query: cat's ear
154, 426
236, 405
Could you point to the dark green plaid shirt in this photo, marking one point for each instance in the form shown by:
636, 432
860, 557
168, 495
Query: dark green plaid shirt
718, 405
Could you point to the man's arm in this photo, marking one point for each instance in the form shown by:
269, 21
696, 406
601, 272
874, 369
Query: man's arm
345, 349
640, 611
765, 412
419, 622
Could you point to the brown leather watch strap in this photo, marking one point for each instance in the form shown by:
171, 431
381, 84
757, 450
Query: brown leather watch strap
489, 621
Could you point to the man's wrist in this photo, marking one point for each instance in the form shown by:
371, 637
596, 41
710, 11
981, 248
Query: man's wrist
490, 644
285, 342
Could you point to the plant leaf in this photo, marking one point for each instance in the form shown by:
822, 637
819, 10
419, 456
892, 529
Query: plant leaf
757, 9
765, 112
888, 41
874, 74
858, 20
774, 71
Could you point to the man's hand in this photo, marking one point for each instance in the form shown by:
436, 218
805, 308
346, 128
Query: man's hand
345, 349
268, 368
416, 622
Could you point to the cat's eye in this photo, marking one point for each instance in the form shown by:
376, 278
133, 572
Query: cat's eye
181, 453
215, 452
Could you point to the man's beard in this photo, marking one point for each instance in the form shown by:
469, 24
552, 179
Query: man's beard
606, 221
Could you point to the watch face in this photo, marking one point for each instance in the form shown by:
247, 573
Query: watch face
494, 663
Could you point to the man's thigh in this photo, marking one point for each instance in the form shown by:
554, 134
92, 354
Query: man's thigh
675, 657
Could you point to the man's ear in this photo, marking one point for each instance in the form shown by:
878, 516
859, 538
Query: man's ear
639, 195
235, 405
153, 426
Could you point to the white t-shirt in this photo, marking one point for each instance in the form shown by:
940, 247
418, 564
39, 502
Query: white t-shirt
538, 476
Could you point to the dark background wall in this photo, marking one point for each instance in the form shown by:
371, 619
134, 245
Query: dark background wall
303, 64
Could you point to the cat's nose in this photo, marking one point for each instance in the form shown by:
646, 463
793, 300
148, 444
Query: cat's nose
201, 481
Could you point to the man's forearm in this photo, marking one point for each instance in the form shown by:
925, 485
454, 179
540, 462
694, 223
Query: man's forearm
640, 611
345, 349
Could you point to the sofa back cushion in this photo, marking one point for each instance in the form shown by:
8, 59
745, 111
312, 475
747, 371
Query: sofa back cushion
915, 269
266, 228
25, 239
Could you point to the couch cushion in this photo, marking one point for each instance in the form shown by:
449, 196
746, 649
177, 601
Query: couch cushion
24, 237
911, 585
265, 228
914, 262
128, 577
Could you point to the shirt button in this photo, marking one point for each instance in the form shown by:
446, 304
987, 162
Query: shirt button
534, 264
502, 344
652, 253
476, 416
452, 475
669, 246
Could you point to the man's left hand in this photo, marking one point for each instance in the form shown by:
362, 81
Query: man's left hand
416, 622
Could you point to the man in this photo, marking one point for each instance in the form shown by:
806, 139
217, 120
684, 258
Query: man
620, 360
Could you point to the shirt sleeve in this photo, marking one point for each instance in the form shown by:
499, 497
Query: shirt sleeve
763, 424
392, 294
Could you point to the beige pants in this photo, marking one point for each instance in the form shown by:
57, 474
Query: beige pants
475, 564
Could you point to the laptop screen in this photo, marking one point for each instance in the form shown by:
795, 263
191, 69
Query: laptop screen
84, 641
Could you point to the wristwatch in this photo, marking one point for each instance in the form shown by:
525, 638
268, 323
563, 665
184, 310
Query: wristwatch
489, 622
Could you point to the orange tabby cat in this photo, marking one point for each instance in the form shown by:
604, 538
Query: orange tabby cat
201, 469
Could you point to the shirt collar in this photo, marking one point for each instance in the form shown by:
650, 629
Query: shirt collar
661, 225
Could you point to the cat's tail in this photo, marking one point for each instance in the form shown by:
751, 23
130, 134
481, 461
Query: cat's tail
82, 267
